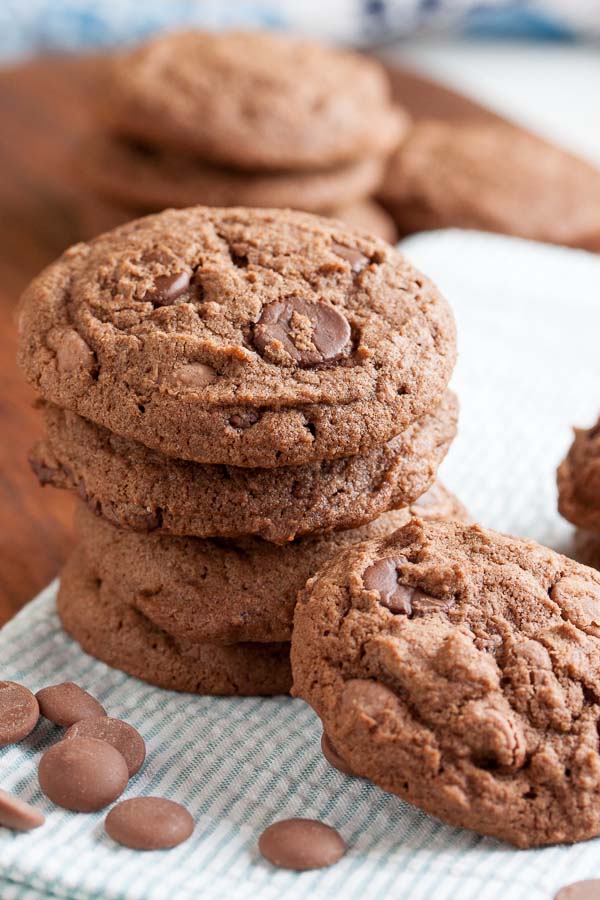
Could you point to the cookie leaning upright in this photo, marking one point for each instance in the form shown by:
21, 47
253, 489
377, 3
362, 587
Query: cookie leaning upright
245, 337
473, 653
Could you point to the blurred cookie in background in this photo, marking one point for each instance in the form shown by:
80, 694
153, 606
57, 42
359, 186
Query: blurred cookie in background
253, 100
243, 119
492, 177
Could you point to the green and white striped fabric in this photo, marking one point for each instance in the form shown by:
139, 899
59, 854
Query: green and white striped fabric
239, 764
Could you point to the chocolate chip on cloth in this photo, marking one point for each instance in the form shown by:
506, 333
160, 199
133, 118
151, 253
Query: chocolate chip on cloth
68, 703
121, 735
301, 844
492, 177
83, 774
206, 590
18, 815
295, 339
19, 712
149, 823
578, 480
476, 654
111, 630
254, 100
142, 489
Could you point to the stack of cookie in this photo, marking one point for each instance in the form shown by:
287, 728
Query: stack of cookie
252, 119
235, 395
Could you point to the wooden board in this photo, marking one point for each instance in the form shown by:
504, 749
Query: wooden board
45, 107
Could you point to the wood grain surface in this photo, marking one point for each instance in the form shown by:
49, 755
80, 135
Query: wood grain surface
45, 108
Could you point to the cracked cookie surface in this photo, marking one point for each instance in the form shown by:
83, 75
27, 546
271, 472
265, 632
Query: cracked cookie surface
142, 489
254, 100
124, 638
243, 337
578, 480
460, 669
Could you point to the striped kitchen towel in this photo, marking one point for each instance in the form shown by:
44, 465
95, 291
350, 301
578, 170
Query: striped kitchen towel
529, 319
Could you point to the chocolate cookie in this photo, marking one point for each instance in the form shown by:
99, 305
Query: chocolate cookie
460, 669
578, 480
124, 638
587, 548
204, 590
370, 217
150, 180
243, 337
495, 178
142, 489
254, 100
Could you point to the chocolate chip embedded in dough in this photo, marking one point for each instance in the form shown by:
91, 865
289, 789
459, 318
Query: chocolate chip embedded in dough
167, 288
301, 844
357, 260
309, 332
73, 354
244, 419
194, 375
401, 599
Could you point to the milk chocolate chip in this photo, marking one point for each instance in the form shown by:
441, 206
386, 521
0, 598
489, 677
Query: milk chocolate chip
73, 354
122, 736
67, 703
149, 823
356, 259
83, 774
333, 757
194, 375
400, 599
167, 288
18, 815
19, 712
301, 844
309, 332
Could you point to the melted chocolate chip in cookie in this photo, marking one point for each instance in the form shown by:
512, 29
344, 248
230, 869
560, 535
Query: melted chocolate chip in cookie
167, 288
310, 333
357, 260
400, 599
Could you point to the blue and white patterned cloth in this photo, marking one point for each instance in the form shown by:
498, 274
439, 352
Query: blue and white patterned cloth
526, 373
37, 26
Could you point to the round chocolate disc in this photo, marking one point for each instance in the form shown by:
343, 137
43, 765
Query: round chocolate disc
83, 774
67, 703
121, 735
17, 814
301, 844
149, 823
19, 712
